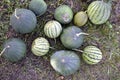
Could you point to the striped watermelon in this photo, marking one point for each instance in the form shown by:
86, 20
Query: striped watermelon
52, 29
40, 46
92, 55
99, 12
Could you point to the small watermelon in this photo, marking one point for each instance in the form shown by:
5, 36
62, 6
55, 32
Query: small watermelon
65, 62
15, 49
80, 18
92, 55
72, 37
23, 21
39, 7
63, 14
40, 46
99, 12
52, 29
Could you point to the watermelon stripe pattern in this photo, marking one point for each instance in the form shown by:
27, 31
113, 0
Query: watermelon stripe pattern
92, 55
98, 12
40, 46
52, 29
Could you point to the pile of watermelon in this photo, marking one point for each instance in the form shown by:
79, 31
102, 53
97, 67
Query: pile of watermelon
66, 62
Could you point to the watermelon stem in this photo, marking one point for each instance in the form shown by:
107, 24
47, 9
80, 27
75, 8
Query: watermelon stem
4, 50
109, 24
78, 50
85, 11
16, 14
81, 33
55, 40
52, 48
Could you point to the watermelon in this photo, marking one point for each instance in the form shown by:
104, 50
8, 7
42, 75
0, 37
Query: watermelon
99, 12
40, 46
64, 14
52, 29
23, 21
65, 62
72, 37
39, 7
80, 19
92, 55
15, 49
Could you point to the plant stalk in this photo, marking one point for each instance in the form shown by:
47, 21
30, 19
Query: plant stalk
52, 48
16, 14
78, 50
4, 50
81, 33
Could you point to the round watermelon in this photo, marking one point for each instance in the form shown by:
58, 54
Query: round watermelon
63, 14
80, 19
52, 29
23, 21
92, 55
40, 46
65, 62
72, 37
15, 49
99, 12
39, 7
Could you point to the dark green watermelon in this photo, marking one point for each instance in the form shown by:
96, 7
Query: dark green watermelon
65, 62
15, 49
39, 7
70, 37
23, 21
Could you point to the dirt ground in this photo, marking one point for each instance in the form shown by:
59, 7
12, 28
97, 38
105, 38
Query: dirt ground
39, 68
